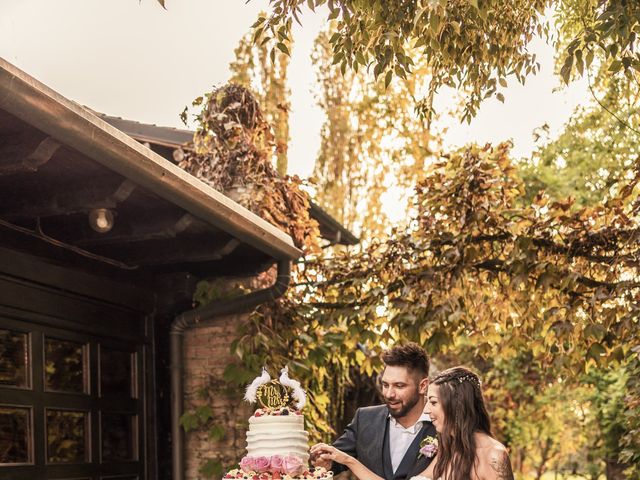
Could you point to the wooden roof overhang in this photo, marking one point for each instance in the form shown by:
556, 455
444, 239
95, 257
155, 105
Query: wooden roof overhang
58, 162
164, 140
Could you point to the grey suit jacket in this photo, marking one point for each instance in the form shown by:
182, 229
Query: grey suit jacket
367, 439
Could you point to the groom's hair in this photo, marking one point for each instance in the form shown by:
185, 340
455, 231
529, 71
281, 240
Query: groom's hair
409, 355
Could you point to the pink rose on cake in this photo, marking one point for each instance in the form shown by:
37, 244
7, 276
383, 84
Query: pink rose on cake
248, 464
261, 464
277, 464
293, 465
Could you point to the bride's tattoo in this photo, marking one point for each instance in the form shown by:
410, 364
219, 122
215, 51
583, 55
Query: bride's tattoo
502, 466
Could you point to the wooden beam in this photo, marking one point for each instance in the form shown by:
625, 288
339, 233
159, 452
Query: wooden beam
195, 249
67, 199
148, 228
20, 158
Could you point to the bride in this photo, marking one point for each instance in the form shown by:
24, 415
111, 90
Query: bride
464, 448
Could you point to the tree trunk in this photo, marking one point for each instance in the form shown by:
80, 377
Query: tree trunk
544, 458
614, 469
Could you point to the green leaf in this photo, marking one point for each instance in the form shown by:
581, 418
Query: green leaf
377, 70
400, 72
212, 468
258, 22
387, 78
216, 433
500, 97
283, 48
257, 34
237, 374
615, 66
437, 340
204, 413
565, 71
189, 421
579, 62
589, 59
596, 351
595, 331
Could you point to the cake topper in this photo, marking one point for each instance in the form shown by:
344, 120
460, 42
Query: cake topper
273, 395
276, 394
297, 391
252, 389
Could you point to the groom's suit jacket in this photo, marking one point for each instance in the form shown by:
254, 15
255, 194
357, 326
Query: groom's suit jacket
367, 439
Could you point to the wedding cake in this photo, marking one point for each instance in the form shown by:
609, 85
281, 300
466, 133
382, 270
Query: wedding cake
277, 443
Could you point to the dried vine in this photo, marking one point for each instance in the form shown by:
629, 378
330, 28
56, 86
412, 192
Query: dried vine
233, 151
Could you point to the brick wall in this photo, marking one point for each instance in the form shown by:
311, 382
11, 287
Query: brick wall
206, 351
206, 357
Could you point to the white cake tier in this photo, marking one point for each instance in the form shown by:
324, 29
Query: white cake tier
277, 435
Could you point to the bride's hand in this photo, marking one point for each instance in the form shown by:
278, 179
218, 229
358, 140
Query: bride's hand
327, 452
316, 459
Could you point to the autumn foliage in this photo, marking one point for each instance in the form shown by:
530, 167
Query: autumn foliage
232, 151
535, 296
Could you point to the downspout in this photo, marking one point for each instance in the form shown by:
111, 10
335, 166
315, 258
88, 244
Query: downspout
188, 319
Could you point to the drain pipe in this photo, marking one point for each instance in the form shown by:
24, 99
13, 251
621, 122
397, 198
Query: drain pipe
188, 319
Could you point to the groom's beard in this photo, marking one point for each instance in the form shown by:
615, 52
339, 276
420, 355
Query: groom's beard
401, 410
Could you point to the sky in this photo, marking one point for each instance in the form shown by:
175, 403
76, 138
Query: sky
135, 60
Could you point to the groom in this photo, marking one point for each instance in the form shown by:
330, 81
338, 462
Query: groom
386, 438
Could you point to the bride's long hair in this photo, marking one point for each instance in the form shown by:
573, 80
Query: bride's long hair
461, 399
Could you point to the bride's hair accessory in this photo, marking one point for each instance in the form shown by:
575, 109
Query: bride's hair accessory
457, 376
469, 378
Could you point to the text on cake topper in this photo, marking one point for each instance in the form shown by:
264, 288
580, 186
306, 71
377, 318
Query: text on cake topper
273, 395
290, 391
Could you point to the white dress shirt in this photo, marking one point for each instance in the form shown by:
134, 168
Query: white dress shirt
400, 438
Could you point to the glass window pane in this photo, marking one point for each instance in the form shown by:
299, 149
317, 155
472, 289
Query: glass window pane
15, 435
14, 359
115, 372
65, 369
67, 434
118, 437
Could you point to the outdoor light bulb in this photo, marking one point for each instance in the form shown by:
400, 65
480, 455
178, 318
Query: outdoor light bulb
102, 223
101, 219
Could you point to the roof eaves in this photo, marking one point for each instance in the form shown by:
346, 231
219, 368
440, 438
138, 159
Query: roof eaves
28, 99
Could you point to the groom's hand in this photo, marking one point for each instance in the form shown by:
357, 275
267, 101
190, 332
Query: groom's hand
317, 459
